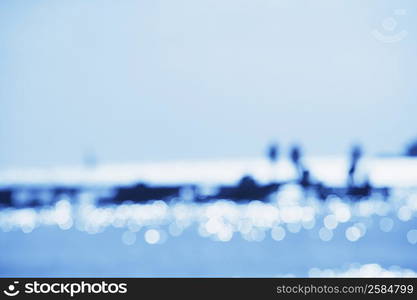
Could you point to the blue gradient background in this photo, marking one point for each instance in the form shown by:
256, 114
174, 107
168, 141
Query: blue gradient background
153, 80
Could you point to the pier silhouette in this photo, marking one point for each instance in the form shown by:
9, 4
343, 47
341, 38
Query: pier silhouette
243, 191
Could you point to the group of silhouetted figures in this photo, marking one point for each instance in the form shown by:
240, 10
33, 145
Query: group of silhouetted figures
353, 190
247, 189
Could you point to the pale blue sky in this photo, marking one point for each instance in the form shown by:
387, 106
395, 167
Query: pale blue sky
137, 80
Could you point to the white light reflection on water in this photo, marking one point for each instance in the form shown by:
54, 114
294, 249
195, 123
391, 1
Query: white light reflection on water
152, 236
366, 270
412, 236
386, 224
221, 220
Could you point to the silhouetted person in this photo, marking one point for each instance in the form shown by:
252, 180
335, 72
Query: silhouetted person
411, 149
305, 180
273, 153
366, 187
322, 191
295, 156
355, 155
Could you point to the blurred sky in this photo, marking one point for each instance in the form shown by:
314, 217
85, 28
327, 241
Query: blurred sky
138, 80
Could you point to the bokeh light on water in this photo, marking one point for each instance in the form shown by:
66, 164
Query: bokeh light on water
221, 220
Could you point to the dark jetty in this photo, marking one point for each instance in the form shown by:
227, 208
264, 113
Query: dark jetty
36, 195
247, 189
141, 192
